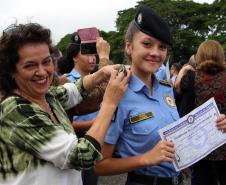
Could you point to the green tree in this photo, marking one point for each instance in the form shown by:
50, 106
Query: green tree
115, 40
190, 23
63, 43
217, 23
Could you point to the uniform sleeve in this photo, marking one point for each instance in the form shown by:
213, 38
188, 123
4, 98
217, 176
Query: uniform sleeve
116, 127
31, 130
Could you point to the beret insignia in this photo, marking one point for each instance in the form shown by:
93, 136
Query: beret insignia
139, 18
76, 38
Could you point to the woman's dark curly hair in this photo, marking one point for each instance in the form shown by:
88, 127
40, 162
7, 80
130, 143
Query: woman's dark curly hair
13, 38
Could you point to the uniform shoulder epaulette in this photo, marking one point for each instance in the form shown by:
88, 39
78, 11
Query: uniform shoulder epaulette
166, 83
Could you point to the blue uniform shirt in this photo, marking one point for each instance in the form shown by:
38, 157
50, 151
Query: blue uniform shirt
134, 129
73, 77
161, 73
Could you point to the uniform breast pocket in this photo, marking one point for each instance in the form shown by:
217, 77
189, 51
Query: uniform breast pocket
143, 124
174, 115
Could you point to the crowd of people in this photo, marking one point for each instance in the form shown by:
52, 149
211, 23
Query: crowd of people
65, 120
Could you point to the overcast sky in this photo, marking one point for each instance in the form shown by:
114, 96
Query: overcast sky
65, 16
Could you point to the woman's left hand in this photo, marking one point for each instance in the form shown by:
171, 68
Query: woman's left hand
116, 87
221, 123
108, 70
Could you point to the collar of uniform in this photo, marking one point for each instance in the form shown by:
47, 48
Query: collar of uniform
161, 72
155, 81
136, 84
75, 73
156, 85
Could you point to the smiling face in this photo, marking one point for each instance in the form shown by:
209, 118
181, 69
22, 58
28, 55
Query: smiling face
147, 54
34, 70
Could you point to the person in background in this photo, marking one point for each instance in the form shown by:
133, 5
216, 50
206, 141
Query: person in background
64, 67
161, 73
182, 89
190, 65
84, 64
208, 79
37, 141
174, 70
56, 55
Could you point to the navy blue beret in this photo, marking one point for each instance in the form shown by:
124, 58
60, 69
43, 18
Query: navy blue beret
152, 24
74, 47
76, 39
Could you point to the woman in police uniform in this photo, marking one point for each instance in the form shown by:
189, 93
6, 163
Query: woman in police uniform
147, 106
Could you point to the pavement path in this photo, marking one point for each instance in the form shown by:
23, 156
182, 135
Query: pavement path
121, 179
112, 180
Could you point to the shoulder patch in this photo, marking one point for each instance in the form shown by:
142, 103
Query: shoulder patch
166, 83
140, 117
170, 100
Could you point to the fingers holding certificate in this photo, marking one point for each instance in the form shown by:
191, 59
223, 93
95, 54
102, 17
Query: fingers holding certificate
221, 123
196, 135
162, 152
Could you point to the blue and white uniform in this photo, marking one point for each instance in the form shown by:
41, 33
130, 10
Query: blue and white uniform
73, 77
161, 73
134, 129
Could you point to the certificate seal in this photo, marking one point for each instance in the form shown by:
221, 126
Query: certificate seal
190, 119
199, 139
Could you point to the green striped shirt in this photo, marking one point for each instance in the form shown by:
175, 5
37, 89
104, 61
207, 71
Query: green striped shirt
32, 145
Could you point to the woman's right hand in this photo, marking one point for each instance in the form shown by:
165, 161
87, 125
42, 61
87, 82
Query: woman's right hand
180, 75
186, 68
116, 87
100, 76
162, 152
115, 90
103, 48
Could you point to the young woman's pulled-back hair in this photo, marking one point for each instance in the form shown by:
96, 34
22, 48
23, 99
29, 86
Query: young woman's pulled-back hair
210, 57
132, 29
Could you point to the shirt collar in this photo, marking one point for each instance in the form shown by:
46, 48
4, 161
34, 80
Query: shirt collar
75, 73
137, 85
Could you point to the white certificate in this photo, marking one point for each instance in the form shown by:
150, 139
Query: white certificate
194, 135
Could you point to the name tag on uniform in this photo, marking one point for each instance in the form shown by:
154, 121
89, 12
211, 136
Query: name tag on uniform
140, 117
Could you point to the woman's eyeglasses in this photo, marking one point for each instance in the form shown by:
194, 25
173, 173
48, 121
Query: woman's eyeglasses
10, 29
15, 28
